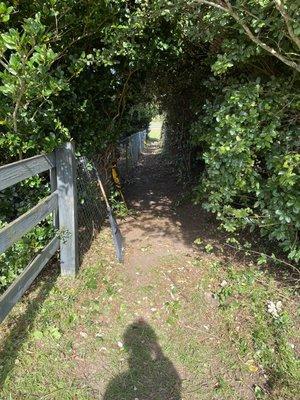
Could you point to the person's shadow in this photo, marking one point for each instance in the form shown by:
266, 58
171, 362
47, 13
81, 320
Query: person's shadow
151, 375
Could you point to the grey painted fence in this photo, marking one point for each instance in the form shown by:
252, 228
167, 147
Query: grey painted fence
62, 203
131, 149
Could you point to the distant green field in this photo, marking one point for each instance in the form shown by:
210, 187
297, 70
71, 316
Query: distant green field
155, 129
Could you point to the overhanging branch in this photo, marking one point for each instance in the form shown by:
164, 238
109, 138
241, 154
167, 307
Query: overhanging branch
226, 6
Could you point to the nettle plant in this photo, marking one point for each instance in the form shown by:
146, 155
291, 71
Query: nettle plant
252, 165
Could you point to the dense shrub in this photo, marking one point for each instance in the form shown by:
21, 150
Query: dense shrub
252, 166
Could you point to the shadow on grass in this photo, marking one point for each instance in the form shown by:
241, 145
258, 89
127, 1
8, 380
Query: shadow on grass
19, 329
151, 375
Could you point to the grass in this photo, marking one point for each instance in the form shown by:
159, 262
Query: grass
196, 329
31, 363
264, 340
155, 130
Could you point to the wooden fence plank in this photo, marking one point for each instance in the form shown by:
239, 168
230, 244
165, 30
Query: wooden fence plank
67, 207
16, 229
11, 174
53, 183
22, 283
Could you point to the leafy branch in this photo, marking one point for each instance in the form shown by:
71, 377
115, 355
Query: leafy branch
226, 6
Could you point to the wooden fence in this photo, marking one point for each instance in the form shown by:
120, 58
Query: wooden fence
62, 202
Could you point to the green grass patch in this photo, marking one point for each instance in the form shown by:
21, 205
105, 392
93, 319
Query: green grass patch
259, 319
219, 333
155, 130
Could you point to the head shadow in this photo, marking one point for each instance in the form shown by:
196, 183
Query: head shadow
151, 375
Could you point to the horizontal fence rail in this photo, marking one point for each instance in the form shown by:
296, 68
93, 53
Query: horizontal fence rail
16, 172
12, 295
61, 203
19, 227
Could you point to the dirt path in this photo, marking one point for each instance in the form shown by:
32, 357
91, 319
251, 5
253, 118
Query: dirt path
164, 338
158, 226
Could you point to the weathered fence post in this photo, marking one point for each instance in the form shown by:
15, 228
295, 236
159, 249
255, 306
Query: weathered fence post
53, 184
67, 206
